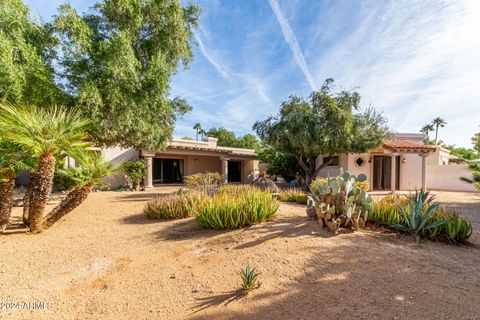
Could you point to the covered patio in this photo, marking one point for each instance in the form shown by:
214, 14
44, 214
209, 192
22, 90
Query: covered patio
186, 157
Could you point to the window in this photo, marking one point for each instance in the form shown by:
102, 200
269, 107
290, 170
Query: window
359, 161
331, 161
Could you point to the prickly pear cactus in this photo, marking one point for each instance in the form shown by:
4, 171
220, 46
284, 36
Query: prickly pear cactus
340, 203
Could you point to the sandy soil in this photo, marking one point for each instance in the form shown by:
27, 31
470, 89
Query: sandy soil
106, 260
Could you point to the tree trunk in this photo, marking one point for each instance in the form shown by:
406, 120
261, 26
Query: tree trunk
42, 189
26, 198
74, 199
436, 135
6, 195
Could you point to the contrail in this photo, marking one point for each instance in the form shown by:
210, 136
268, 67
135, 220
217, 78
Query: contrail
210, 59
292, 41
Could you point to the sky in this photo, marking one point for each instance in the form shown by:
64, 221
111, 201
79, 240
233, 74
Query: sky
411, 60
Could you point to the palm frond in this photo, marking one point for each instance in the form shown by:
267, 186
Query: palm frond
93, 169
52, 130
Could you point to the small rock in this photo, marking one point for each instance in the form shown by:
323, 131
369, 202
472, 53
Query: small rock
172, 276
194, 290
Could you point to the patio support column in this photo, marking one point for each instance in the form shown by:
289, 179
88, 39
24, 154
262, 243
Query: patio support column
149, 176
225, 170
424, 170
393, 174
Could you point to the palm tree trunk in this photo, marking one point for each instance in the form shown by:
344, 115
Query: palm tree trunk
74, 199
26, 198
42, 189
436, 135
6, 195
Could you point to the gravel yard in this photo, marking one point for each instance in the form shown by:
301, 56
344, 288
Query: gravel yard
106, 260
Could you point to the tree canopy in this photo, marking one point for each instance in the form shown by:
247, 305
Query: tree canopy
227, 138
476, 143
26, 53
327, 123
117, 62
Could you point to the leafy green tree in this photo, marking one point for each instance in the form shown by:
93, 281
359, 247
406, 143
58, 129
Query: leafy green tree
118, 61
427, 129
279, 163
45, 134
135, 170
438, 122
464, 153
26, 53
326, 124
476, 144
227, 138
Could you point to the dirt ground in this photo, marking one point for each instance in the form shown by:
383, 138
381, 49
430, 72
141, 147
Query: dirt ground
105, 260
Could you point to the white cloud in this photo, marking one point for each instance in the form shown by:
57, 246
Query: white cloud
292, 41
415, 61
211, 59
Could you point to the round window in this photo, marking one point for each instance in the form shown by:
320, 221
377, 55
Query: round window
359, 161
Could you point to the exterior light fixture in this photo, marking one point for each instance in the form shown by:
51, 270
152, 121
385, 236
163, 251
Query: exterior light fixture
195, 160
404, 160
370, 160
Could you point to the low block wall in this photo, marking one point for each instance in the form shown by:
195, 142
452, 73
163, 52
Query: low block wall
448, 177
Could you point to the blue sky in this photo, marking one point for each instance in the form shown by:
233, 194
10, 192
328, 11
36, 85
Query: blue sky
412, 60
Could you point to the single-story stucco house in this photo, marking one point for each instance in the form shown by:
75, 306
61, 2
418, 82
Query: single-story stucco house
399, 164
184, 157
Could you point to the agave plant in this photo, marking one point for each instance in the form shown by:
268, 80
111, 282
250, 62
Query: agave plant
91, 173
45, 134
12, 159
249, 279
417, 215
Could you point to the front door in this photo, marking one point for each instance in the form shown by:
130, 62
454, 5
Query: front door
382, 172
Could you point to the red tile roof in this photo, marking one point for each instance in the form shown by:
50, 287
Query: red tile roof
400, 145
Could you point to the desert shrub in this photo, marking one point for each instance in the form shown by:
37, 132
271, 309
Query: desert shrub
363, 185
206, 183
172, 206
301, 198
453, 229
318, 181
227, 211
289, 195
134, 170
234, 189
385, 213
419, 215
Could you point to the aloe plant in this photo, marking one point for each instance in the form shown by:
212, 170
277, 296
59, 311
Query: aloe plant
249, 279
417, 215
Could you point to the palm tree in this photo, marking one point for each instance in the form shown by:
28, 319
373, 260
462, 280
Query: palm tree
203, 133
438, 122
427, 129
45, 133
197, 127
12, 159
93, 168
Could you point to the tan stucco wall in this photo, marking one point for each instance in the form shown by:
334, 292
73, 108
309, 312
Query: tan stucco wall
332, 171
118, 156
441, 177
204, 164
250, 170
410, 171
